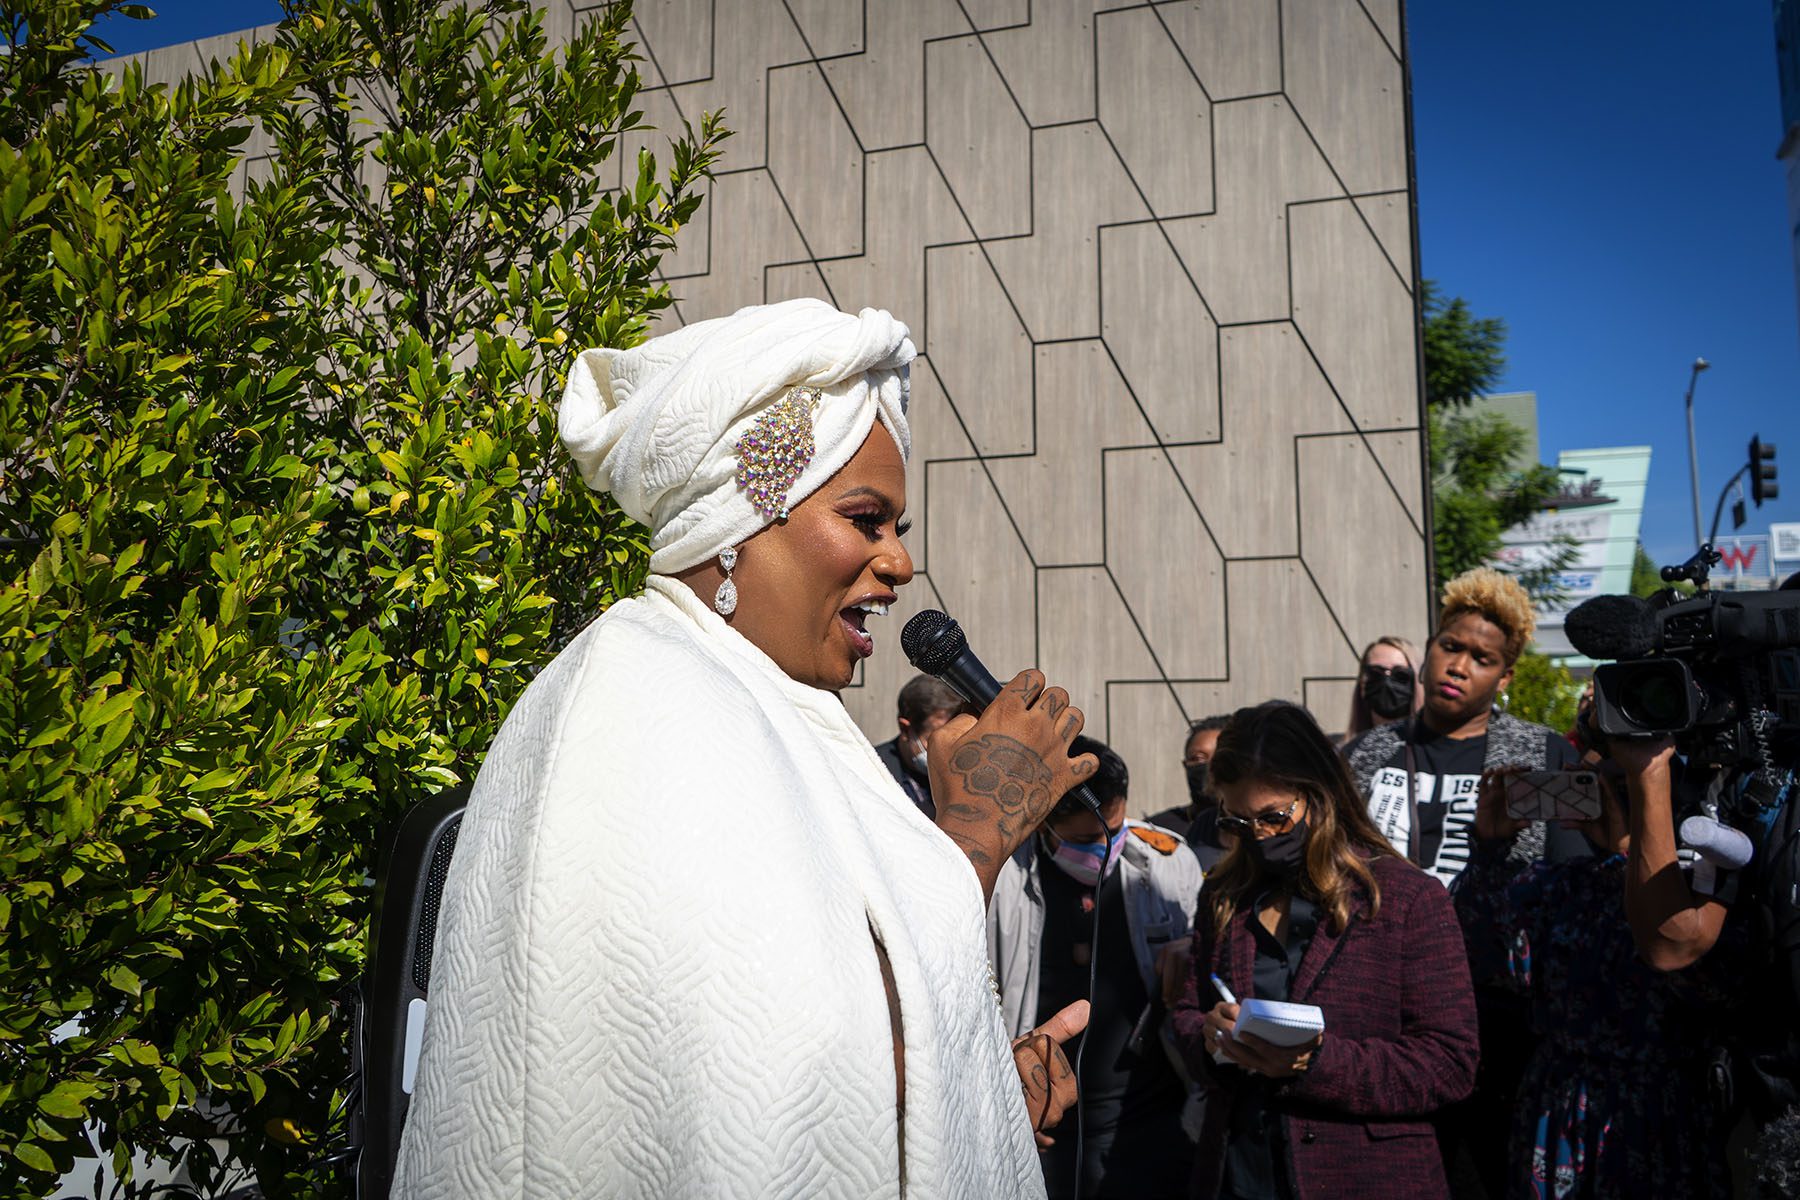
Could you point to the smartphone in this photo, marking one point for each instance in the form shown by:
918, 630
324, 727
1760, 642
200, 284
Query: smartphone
1553, 796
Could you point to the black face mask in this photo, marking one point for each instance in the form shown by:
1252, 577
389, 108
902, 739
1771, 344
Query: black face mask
1282, 856
1389, 696
1196, 777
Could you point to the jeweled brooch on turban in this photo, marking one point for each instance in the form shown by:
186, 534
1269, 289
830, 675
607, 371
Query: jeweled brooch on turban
774, 452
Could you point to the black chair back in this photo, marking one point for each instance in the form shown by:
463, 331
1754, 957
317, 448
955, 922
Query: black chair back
397, 981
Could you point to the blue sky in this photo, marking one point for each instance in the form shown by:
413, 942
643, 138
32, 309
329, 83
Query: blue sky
1602, 176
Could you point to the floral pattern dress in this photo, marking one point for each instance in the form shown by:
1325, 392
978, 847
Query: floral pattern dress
1616, 1100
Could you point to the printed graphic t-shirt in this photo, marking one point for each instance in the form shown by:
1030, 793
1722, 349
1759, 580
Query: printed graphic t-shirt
1447, 776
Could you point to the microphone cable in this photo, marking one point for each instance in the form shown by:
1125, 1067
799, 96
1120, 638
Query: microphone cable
1093, 977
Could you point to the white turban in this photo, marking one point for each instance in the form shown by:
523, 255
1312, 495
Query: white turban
658, 425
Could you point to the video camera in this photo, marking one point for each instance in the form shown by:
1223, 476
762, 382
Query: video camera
1719, 672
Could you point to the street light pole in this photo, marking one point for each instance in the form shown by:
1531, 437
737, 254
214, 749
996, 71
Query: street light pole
1700, 364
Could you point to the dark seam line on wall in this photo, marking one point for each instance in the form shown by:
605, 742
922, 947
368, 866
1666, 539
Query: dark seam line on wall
1363, 217
1287, 231
1281, 46
1356, 428
863, 175
1259, 558
1174, 695
1389, 194
980, 36
1143, 635
1257, 324
663, 276
1153, 445
1326, 604
669, 90
950, 400
1427, 502
1156, 11
1154, 219
1180, 482
981, 244
1156, 434
1299, 494
1363, 435
1105, 554
818, 64
1306, 679
1025, 546
1376, 26
949, 396
787, 208
1030, 150
712, 41
1343, 187
1158, 443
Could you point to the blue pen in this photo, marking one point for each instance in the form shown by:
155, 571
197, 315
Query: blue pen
1224, 992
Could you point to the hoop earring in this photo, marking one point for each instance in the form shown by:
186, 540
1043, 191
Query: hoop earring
725, 600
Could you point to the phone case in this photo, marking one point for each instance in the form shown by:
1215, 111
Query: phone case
1553, 796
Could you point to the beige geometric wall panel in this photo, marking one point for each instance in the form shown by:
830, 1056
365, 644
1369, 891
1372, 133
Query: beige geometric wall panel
1158, 261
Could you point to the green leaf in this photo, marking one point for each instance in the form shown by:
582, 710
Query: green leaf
34, 1157
124, 979
68, 1100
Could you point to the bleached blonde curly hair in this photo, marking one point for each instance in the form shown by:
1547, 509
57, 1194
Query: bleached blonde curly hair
1497, 597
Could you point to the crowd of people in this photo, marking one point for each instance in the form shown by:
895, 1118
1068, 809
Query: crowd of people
952, 965
1509, 1012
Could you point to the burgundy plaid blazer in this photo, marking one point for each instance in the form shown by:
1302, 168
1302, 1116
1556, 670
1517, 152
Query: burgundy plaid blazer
1400, 1043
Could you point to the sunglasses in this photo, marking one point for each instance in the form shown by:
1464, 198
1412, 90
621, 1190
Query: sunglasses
1403, 674
1263, 824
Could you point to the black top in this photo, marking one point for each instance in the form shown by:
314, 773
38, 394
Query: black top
1200, 826
916, 786
1135, 1147
1256, 1160
1446, 777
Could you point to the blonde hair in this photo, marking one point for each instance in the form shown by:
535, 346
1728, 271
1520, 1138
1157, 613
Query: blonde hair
1497, 597
1361, 719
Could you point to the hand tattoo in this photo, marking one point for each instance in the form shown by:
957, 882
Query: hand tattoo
1007, 772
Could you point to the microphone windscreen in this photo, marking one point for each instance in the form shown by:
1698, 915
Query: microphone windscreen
1611, 627
1717, 843
932, 640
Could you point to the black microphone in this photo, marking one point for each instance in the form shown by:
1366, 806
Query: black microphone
935, 644
1612, 627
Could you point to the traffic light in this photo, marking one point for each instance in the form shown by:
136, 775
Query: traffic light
1762, 472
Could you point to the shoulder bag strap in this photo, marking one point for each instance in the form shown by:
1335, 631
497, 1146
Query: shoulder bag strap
1412, 795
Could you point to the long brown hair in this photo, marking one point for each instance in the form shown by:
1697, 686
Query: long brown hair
1280, 746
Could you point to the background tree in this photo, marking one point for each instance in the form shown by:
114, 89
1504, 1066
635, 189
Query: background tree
1478, 488
1646, 576
283, 523
1543, 691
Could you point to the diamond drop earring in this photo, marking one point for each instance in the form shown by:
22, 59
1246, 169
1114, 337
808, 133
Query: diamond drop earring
725, 601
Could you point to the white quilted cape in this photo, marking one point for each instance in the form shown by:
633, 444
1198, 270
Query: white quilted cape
654, 975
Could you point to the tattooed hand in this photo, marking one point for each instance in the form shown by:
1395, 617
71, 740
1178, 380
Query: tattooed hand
1044, 1070
995, 778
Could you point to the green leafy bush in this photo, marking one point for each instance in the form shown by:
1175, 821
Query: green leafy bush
283, 524
1542, 690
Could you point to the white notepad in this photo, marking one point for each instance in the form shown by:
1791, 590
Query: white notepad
1280, 1023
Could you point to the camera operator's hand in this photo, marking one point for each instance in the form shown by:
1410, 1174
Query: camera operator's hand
1640, 758
1492, 824
1611, 829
